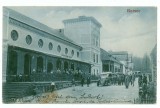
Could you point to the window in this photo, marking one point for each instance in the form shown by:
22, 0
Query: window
49, 67
106, 67
115, 69
40, 43
13, 60
77, 54
50, 46
72, 52
97, 58
94, 58
59, 48
97, 42
40, 64
58, 64
66, 51
66, 66
72, 66
28, 39
14, 35
27, 64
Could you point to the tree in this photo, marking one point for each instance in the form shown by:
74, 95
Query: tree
137, 61
146, 64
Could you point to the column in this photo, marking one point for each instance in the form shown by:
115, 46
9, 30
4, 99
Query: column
20, 62
33, 63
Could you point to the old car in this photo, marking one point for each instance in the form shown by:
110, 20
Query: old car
105, 78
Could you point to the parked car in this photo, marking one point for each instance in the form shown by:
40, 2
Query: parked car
105, 78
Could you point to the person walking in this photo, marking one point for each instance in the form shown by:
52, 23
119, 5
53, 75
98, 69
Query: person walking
73, 84
127, 81
140, 81
82, 81
144, 93
144, 79
133, 79
88, 81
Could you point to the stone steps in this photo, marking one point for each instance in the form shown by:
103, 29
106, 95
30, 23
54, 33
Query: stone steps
15, 90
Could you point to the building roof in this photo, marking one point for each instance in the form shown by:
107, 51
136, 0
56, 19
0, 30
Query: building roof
33, 23
119, 53
82, 18
107, 56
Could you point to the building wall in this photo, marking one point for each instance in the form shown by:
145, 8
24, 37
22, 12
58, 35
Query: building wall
5, 46
23, 31
79, 32
87, 34
21, 42
117, 67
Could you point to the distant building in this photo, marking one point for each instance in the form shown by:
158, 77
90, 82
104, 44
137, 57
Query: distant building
125, 59
110, 63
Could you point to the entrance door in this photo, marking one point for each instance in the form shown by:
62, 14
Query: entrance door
49, 67
65, 65
12, 66
40, 64
27, 66
72, 66
58, 64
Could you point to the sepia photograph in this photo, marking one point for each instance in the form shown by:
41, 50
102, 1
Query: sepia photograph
79, 55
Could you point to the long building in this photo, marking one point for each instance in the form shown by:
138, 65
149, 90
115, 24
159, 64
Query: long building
110, 63
126, 59
32, 48
37, 54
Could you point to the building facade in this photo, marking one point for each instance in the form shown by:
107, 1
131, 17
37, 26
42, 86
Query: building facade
110, 64
86, 32
33, 50
125, 59
36, 52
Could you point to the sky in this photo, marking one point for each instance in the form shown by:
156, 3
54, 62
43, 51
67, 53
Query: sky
135, 32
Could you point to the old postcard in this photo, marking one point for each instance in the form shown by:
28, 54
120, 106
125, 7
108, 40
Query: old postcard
79, 55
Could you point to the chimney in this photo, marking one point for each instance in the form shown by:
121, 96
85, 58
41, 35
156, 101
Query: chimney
61, 31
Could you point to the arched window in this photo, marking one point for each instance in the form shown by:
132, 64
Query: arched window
77, 54
27, 64
66, 51
59, 48
50, 46
28, 39
58, 64
65, 65
14, 35
72, 66
40, 43
40, 64
49, 67
13, 63
72, 52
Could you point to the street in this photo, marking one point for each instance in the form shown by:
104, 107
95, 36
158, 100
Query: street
92, 94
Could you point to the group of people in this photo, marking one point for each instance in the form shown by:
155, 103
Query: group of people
118, 79
145, 88
129, 79
18, 78
88, 81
